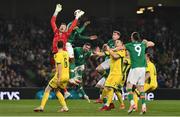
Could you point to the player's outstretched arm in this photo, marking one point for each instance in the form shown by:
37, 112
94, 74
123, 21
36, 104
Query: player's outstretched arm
53, 19
78, 13
58, 9
80, 30
148, 43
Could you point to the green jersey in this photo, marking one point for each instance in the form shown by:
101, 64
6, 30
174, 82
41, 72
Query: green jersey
137, 54
77, 34
80, 56
111, 43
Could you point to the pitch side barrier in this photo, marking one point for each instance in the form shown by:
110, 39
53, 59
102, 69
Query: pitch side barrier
93, 93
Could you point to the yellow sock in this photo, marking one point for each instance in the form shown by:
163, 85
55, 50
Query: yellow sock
61, 99
118, 94
135, 96
104, 93
110, 96
44, 99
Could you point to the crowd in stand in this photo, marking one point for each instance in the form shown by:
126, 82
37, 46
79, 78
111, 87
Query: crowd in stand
25, 47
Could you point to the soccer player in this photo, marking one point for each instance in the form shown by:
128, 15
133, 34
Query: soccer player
62, 33
115, 75
105, 65
80, 55
136, 76
77, 33
103, 68
125, 71
150, 79
118, 92
60, 79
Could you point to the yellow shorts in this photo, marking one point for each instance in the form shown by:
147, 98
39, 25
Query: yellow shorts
63, 83
122, 82
149, 87
113, 81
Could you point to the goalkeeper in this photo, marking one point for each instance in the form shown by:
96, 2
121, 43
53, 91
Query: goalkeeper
62, 33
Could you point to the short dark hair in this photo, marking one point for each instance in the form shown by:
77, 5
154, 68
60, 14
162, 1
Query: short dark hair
115, 31
87, 44
60, 44
136, 36
63, 23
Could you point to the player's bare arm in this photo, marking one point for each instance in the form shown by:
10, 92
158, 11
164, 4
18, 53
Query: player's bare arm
148, 43
147, 76
59, 66
113, 54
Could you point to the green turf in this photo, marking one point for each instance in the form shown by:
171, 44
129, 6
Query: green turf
83, 108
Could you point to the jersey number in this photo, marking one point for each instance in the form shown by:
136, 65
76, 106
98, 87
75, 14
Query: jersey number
138, 49
65, 63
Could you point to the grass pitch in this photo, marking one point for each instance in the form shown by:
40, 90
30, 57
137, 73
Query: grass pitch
83, 108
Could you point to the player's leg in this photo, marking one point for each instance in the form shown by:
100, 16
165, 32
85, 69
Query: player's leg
131, 80
111, 84
100, 85
136, 96
140, 87
78, 78
109, 95
142, 98
44, 99
66, 93
81, 90
62, 85
62, 101
71, 75
71, 66
147, 87
70, 50
120, 99
101, 69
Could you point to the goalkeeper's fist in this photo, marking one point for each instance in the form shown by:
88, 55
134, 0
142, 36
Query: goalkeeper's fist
87, 23
78, 13
58, 7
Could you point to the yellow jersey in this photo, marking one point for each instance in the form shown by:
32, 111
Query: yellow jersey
126, 67
62, 58
153, 74
116, 66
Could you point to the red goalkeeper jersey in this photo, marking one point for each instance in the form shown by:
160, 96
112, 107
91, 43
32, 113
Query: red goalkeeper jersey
63, 36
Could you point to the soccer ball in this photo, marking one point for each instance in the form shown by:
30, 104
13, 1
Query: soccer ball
77, 11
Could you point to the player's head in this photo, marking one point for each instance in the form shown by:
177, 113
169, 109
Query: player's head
118, 43
62, 27
149, 55
86, 47
60, 44
135, 36
116, 35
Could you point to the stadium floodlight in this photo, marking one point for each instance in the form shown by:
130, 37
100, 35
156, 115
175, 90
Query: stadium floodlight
150, 8
139, 12
160, 5
142, 9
